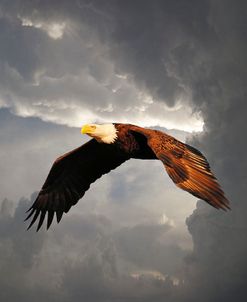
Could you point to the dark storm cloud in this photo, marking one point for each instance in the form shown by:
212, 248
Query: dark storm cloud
169, 49
220, 239
66, 61
146, 31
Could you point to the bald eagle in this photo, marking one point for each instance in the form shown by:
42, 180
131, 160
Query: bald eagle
111, 145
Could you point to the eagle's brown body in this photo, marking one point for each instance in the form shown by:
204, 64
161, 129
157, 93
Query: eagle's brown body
133, 143
71, 174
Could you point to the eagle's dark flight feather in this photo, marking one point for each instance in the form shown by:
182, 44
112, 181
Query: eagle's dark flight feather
70, 177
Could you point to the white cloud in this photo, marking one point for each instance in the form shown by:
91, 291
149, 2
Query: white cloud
53, 29
84, 99
165, 220
56, 30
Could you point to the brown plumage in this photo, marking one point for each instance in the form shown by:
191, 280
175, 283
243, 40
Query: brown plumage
71, 174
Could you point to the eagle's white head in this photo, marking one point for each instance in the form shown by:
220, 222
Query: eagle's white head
106, 133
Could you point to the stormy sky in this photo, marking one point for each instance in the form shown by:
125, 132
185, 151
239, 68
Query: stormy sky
177, 65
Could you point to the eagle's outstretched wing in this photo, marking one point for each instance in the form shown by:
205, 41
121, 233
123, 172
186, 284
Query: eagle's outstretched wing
187, 167
70, 177
190, 171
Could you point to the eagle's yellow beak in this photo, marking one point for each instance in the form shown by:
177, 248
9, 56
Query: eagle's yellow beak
87, 129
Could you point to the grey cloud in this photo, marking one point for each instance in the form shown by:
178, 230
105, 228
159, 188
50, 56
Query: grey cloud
82, 259
166, 49
28, 148
84, 74
145, 247
146, 32
218, 265
14, 229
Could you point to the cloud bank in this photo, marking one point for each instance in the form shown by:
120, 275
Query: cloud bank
86, 258
145, 61
69, 67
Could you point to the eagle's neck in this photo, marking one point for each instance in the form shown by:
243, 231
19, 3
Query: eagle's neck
106, 134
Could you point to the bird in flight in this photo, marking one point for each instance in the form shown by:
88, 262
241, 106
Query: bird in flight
111, 145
